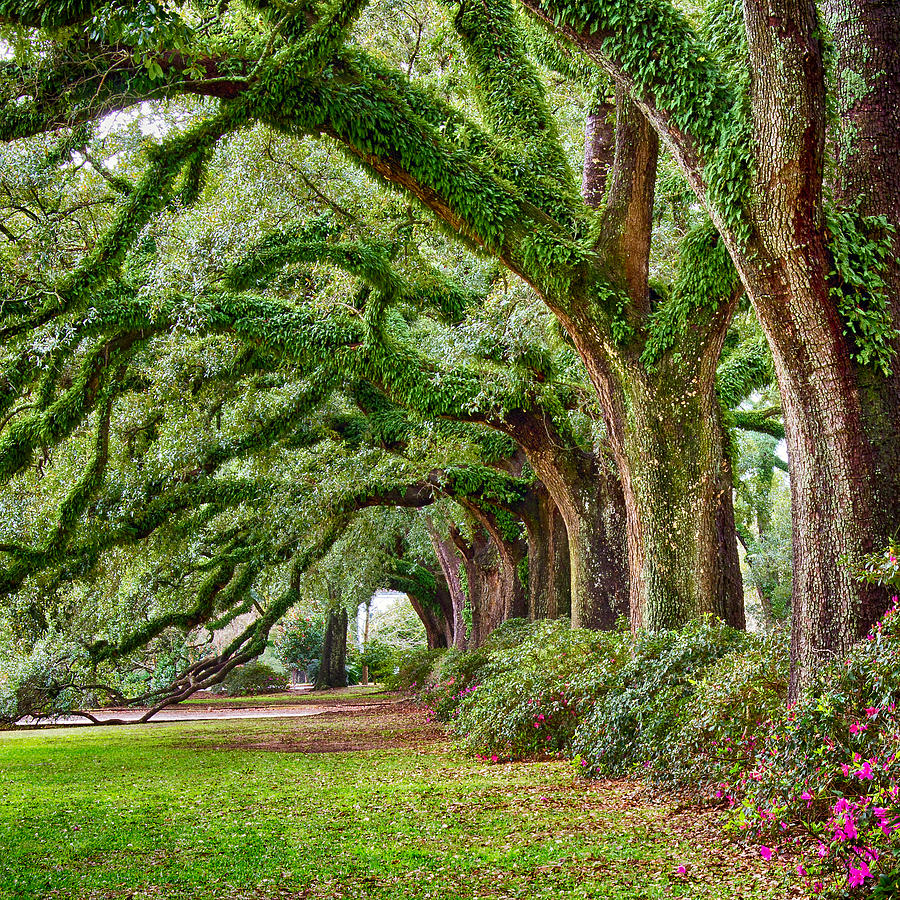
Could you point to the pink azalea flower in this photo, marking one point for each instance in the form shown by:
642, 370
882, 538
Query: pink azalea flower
801, 871
857, 727
806, 795
859, 875
765, 852
872, 711
681, 870
850, 829
865, 772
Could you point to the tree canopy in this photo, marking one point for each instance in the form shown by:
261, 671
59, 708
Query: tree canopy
485, 295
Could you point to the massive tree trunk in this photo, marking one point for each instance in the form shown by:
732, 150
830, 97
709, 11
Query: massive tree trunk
494, 590
598, 153
662, 415
509, 599
682, 545
837, 512
841, 501
438, 632
333, 665
866, 177
450, 562
730, 587
586, 490
841, 423
549, 574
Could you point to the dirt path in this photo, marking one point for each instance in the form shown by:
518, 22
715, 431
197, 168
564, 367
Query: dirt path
278, 708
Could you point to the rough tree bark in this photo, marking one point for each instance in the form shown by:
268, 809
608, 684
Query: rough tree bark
333, 666
839, 503
549, 571
494, 591
663, 419
450, 562
437, 631
507, 599
586, 490
842, 483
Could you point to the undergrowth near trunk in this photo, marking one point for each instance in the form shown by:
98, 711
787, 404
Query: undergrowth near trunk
703, 709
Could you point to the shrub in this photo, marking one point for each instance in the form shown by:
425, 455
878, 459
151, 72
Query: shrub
632, 712
523, 699
731, 698
413, 669
705, 708
299, 642
879, 568
458, 672
253, 678
825, 773
380, 659
353, 663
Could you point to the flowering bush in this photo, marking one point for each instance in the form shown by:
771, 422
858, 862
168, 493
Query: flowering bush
880, 568
529, 699
704, 708
729, 700
823, 776
298, 642
456, 674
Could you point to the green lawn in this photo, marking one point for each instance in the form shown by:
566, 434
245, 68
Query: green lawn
197, 810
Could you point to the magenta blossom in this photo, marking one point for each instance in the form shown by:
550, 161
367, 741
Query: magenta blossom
859, 874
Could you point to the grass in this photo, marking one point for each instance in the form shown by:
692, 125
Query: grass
197, 810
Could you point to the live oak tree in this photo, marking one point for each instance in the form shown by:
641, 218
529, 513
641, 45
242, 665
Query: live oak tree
581, 479
746, 118
206, 428
194, 549
589, 267
495, 172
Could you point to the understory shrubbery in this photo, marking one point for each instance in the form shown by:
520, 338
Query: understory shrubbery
379, 659
413, 669
253, 678
703, 709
